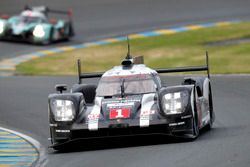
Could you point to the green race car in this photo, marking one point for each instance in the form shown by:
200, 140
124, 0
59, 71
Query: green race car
33, 25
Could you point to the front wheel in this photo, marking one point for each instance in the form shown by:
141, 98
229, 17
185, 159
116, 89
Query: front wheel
211, 112
195, 121
49, 40
196, 130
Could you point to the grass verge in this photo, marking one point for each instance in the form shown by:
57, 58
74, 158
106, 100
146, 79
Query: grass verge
228, 46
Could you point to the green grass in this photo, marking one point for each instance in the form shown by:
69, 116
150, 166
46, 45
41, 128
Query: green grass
182, 49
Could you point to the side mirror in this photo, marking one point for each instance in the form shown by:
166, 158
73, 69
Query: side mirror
61, 87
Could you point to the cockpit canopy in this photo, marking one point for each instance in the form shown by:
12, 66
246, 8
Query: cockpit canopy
29, 16
132, 85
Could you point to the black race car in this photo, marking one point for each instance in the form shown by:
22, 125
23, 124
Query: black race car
130, 100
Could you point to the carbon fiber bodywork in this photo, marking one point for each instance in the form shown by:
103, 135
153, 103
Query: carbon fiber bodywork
130, 114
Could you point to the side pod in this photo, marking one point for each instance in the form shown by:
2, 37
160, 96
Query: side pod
178, 105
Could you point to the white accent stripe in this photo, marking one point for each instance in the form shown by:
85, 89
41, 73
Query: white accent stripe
205, 112
147, 103
206, 88
192, 101
93, 117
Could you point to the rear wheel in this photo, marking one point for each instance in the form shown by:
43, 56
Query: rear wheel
68, 31
71, 30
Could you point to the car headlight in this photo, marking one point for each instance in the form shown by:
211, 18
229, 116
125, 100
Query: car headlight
39, 31
174, 103
63, 110
1, 27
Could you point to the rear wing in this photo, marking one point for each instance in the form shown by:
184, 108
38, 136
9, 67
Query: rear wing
161, 70
69, 12
4, 17
187, 69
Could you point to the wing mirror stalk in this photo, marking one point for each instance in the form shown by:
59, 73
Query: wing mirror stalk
61, 87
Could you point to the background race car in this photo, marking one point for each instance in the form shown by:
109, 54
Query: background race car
34, 25
131, 100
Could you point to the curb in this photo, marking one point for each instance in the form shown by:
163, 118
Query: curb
11, 63
17, 149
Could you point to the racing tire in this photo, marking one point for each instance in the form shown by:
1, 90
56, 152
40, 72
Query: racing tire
71, 30
49, 41
30, 37
195, 124
68, 31
66, 34
211, 112
196, 130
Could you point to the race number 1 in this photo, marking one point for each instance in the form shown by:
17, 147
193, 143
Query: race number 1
117, 113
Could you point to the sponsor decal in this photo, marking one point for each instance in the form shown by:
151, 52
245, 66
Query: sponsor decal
186, 117
121, 101
146, 109
149, 112
176, 124
93, 117
63, 131
53, 125
120, 104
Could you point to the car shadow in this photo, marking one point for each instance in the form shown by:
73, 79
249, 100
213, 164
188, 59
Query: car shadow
112, 143
119, 142
27, 43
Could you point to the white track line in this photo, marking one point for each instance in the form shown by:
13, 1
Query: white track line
42, 158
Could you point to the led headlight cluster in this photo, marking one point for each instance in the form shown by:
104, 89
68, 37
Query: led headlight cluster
1, 27
39, 31
174, 103
63, 110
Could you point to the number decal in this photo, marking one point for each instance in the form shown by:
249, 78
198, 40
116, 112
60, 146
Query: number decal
119, 113
116, 113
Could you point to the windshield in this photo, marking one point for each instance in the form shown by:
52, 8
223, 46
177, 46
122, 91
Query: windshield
134, 84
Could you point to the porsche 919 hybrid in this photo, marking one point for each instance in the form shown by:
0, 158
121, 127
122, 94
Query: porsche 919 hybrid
130, 100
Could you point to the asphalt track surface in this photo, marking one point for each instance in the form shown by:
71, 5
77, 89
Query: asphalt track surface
23, 100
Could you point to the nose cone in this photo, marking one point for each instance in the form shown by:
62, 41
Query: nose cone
121, 108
